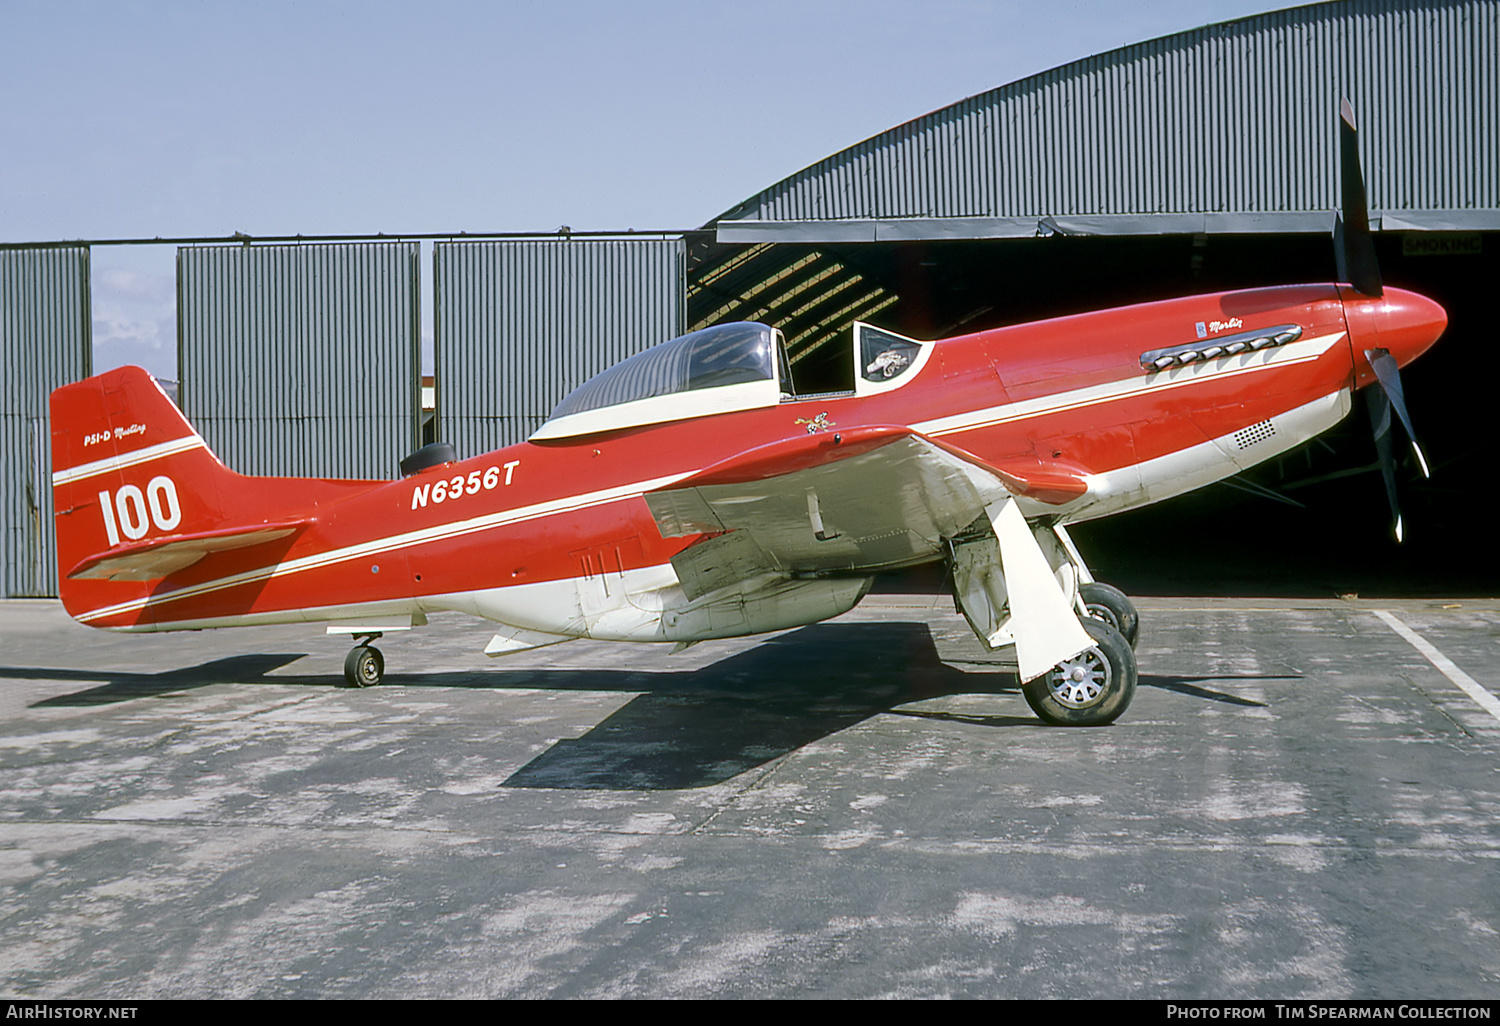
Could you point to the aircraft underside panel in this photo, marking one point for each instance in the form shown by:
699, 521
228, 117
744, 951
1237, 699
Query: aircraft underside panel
649, 605
644, 604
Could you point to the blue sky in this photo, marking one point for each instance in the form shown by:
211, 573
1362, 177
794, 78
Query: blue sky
143, 119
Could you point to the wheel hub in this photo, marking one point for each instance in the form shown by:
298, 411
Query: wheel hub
1103, 613
1080, 681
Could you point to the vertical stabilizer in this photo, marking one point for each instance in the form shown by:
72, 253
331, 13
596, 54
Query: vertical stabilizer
127, 467
139, 499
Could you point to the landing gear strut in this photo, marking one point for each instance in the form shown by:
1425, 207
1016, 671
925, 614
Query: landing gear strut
364, 666
1101, 601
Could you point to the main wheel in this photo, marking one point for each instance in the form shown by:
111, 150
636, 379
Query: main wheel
364, 666
1092, 688
1110, 605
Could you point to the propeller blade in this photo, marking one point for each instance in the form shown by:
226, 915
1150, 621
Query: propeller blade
1354, 247
1380, 422
1388, 373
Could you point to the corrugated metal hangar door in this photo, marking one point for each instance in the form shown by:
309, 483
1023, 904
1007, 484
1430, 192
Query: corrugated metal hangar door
45, 342
302, 359
521, 324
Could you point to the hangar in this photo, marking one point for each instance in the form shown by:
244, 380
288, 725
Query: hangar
1197, 162
1200, 161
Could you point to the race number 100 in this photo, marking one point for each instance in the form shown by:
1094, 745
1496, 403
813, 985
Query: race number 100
132, 512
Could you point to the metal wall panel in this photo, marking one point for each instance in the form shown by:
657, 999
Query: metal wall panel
302, 360
521, 324
45, 339
1226, 121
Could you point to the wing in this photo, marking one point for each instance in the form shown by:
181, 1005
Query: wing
858, 502
871, 500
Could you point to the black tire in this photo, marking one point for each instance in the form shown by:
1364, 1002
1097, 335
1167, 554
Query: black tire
364, 667
1091, 689
1110, 605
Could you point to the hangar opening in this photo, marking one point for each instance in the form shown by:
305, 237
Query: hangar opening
1201, 162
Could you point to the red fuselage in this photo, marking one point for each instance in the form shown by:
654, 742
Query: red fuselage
1068, 395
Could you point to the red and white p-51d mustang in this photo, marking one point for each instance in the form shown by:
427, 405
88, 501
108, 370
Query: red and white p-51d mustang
688, 493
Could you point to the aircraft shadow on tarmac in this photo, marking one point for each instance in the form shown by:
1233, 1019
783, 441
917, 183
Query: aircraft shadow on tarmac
122, 686
704, 727
694, 728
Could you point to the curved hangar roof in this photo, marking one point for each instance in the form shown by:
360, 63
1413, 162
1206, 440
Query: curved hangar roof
1229, 128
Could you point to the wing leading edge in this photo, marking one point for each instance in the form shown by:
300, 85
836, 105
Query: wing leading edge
869, 499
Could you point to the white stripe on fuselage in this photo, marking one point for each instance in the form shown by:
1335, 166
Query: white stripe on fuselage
440, 532
128, 459
1158, 381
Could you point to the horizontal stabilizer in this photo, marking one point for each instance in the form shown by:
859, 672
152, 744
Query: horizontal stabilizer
155, 558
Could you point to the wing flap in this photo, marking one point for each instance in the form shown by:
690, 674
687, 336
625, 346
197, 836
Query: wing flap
155, 558
718, 562
683, 512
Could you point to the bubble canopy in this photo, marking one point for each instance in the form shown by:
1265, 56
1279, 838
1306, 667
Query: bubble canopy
726, 367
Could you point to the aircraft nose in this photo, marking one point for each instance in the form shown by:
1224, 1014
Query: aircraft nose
1403, 323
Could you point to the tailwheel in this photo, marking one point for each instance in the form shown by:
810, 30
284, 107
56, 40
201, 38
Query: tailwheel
364, 666
1091, 689
1109, 605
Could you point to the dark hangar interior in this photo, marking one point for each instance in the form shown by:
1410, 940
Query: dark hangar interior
1017, 205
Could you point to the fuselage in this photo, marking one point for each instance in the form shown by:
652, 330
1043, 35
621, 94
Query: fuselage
555, 536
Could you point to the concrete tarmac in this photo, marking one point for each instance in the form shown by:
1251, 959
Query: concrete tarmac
1299, 804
